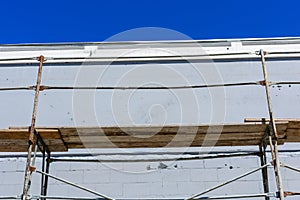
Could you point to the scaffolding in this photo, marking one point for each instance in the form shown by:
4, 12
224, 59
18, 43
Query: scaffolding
271, 132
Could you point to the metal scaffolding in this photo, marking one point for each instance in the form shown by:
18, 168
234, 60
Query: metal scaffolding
36, 143
32, 144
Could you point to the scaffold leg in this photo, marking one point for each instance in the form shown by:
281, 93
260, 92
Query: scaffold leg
31, 142
45, 168
273, 132
263, 161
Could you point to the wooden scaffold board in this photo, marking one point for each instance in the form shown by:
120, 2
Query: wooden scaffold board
59, 139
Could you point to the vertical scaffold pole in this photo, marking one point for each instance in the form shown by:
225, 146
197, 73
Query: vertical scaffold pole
45, 181
263, 161
272, 125
31, 141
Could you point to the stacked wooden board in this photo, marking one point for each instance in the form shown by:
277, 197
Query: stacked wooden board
63, 138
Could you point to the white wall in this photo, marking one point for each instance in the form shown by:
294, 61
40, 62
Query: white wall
134, 180
146, 180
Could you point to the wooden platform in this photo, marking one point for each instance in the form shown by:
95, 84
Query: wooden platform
63, 138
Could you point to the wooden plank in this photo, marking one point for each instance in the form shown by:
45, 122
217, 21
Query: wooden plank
256, 139
23, 134
179, 137
146, 136
162, 130
11, 139
163, 144
294, 124
281, 127
14, 148
167, 129
23, 148
25, 142
19, 147
215, 129
293, 135
293, 139
223, 136
14, 134
12, 142
293, 132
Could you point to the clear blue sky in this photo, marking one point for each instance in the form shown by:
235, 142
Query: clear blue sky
96, 20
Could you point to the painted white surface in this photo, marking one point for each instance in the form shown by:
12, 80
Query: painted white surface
199, 106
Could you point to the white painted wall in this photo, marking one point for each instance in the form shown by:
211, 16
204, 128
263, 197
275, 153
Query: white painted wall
141, 180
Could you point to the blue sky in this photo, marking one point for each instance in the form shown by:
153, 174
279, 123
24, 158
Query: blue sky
96, 20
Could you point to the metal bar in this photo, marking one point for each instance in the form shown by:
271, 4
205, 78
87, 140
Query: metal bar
75, 185
288, 193
271, 143
43, 170
28, 170
34, 154
268, 195
90, 198
146, 153
40, 140
212, 197
10, 197
147, 87
263, 161
273, 128
227, 182
151, 160
290, 167
64, 197
17, 59
45, 183
46, 87
16, 88
40, 148
264, 120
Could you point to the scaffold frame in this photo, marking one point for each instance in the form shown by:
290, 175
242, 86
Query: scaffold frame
270, 138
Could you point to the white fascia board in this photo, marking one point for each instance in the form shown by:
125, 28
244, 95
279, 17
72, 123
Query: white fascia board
147, 51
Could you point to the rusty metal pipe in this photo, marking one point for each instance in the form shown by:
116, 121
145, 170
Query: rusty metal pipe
273, 128
28, 170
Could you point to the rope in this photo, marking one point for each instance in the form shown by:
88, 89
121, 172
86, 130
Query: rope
145, 87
